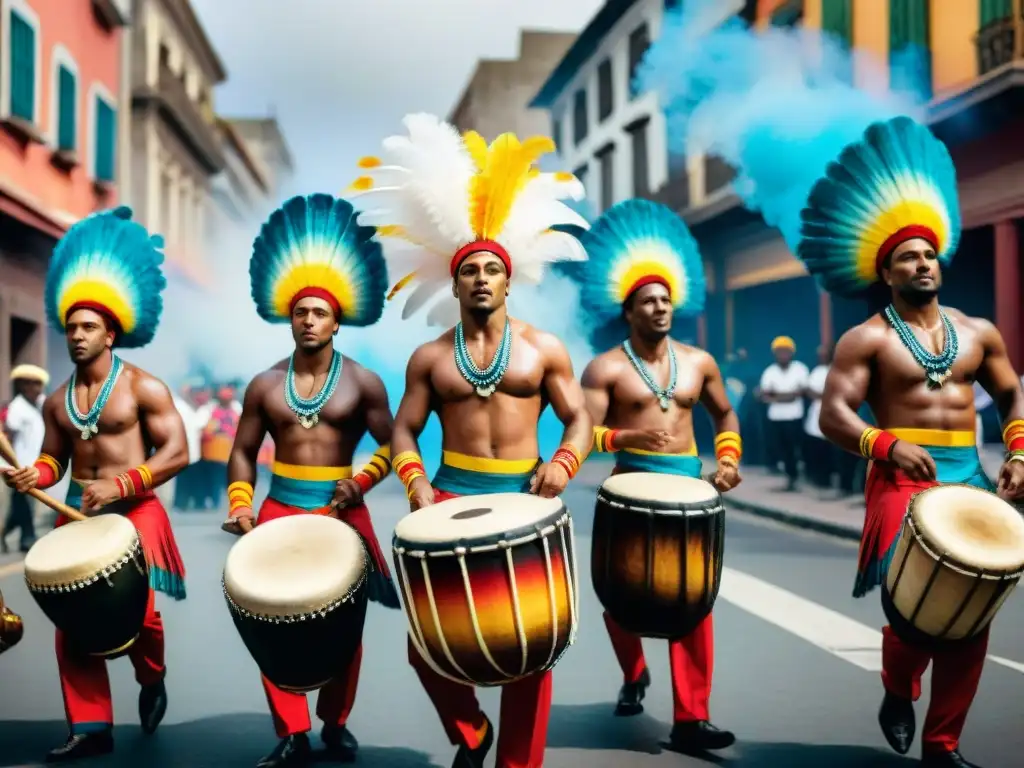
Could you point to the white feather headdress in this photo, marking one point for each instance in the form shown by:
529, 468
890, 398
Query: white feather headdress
436, 197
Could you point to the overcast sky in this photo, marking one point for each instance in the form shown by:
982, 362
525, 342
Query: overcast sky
340, 74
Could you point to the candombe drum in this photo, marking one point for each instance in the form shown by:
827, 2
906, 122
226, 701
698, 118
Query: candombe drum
91, 579
11, 627
656, 557
296, 589
489, 584
959, 555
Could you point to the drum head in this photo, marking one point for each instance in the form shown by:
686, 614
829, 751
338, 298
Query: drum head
660, 490
294, 565
476, 521
975, 527
79, 549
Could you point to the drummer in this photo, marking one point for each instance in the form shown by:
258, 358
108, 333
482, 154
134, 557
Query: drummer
644, 272
315, 270
489, 378
117, 428
915, 364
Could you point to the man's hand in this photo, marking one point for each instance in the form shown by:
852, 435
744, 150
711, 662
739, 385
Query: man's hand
1011, 480
99, 494
347, 493
549, 480
726, 478
239, 523
22, 480
654, 440
422, 494
914, 460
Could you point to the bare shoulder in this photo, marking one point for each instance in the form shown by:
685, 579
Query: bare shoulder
147, 388
863, 341
368, 381
54, 402
978, 325
425, 356
542, 341
695, 356
265, 381
603, 370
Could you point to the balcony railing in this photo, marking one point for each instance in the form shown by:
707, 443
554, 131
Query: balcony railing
999, 42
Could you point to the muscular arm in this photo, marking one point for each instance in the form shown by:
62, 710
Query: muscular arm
566, 396
414, 410
997, 376
375, 405
249, 436
714, 397
164, 428
596, 390
846, 387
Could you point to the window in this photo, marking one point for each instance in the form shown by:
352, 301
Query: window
606, 158
105, 139
67, 108
910, 64
605, 95
994, 10
579, 116
639, 42
995, 41
837, 23
789, 13
581, 173
556, 133
638, 137
24, 42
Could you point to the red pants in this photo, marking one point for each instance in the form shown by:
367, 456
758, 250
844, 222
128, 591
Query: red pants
692, 660
86, 686
525, 709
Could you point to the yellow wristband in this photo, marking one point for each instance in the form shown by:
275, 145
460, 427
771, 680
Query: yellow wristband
240, 495
728, 447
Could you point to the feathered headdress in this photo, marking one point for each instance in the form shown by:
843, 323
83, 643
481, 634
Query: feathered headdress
633, 244
313, 246
110, 264
896, 183
437, 197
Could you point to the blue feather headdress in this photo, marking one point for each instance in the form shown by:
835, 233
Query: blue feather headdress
896, 183
313, 246
633, 244
110, 264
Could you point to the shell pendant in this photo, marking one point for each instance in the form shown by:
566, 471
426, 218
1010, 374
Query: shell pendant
486, 391
937, 378
308, 422
663, 401
88, 431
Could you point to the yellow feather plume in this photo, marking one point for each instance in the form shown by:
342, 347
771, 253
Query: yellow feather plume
400, 285
477, 148
362, 184
369, 162
505, 172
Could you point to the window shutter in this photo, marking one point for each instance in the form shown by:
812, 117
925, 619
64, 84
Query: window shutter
67, 120
106, 140
23, 68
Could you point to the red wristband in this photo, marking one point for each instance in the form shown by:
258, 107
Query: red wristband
364, 481
47, 475
882, 447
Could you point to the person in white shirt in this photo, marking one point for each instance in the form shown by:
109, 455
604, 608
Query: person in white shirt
24, 423
782, 388
819, 453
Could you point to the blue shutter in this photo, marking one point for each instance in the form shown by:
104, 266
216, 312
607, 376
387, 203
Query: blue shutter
23, 68
67, 120
106, 140
994, 10
910, 59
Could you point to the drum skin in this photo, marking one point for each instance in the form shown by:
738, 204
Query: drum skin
102, 615
656, 570
304, 653
543, 567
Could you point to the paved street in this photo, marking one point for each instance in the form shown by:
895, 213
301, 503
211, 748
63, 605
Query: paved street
796, 672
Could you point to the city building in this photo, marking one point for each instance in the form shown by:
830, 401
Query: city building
497, 98
61, 116
175, 135
263, 137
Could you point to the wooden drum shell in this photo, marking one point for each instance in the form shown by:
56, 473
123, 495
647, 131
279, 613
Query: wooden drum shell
657, 568
490, 613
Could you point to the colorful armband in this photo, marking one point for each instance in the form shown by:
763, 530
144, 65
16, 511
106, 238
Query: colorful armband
240, 496
604, 439
568, 458
50, 471
728, 448
409, 467
1013, 437
134, 481
375, 470
876, 444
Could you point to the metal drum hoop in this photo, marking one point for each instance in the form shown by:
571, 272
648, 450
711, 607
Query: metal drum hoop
131, 556
665, 508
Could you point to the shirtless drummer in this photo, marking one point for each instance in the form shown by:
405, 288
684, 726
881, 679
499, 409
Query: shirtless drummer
643, 271
915, 364
314, 268
489, 378
117, 428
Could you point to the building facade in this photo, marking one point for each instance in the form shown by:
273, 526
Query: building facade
61, 115
175, 136
265, 142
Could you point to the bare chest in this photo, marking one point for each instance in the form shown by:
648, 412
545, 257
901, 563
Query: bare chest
633, 394
118, 415
339, 411
899, 369
524, 377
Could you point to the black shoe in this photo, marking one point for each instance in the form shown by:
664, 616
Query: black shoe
341, 744
631, 696
896, 716
152, 706
292, 751
82, 745
474, 758
946, 760
699, 736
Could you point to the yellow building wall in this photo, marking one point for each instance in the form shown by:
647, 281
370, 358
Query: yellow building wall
954, 61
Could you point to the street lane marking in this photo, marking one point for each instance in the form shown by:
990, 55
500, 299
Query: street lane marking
829, 630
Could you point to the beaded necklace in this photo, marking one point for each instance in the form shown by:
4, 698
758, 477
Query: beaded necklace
484, 381
664, 395
937, 367
87, 423
308, 410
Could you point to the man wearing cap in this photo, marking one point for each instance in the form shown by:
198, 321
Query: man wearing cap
24, 422
782, 388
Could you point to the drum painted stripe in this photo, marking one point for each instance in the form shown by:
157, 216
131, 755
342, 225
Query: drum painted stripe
316, 474
939, 438
489, 466
474, 618
517, 610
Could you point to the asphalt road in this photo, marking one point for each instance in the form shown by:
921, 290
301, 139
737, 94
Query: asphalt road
796, 672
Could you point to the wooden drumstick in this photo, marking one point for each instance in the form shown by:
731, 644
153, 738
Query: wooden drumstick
7, 454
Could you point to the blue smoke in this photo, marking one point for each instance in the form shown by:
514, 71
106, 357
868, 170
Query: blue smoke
777, 105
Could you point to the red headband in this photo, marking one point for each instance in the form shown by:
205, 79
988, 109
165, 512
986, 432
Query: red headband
95, 306
901, 236
649, 280
316, 293
478, 246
